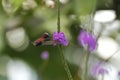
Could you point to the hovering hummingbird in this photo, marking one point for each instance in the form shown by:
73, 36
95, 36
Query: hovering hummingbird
45, 39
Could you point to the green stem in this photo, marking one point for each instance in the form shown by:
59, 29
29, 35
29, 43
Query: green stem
58, 16
66, 67
86, 65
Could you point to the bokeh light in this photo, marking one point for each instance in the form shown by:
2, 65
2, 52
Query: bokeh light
45, 55
19, 70
104, 16
106, 47
17, 39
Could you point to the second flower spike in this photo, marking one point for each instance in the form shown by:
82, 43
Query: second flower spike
87, 39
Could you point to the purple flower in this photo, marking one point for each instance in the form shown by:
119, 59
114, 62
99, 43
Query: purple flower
59, 38
87, 39
99, 69
102, 71
44, 55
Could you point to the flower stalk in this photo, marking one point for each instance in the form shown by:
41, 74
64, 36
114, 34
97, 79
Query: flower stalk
66, 67
86, 65
87, 40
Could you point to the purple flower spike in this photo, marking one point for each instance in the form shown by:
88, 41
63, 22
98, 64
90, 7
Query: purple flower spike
119, 73
44, 55
59, 38
87, 39
99, 69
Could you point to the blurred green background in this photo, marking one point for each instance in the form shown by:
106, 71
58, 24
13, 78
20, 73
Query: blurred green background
23, 21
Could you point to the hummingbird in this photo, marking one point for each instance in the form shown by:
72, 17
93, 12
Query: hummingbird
45, 39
